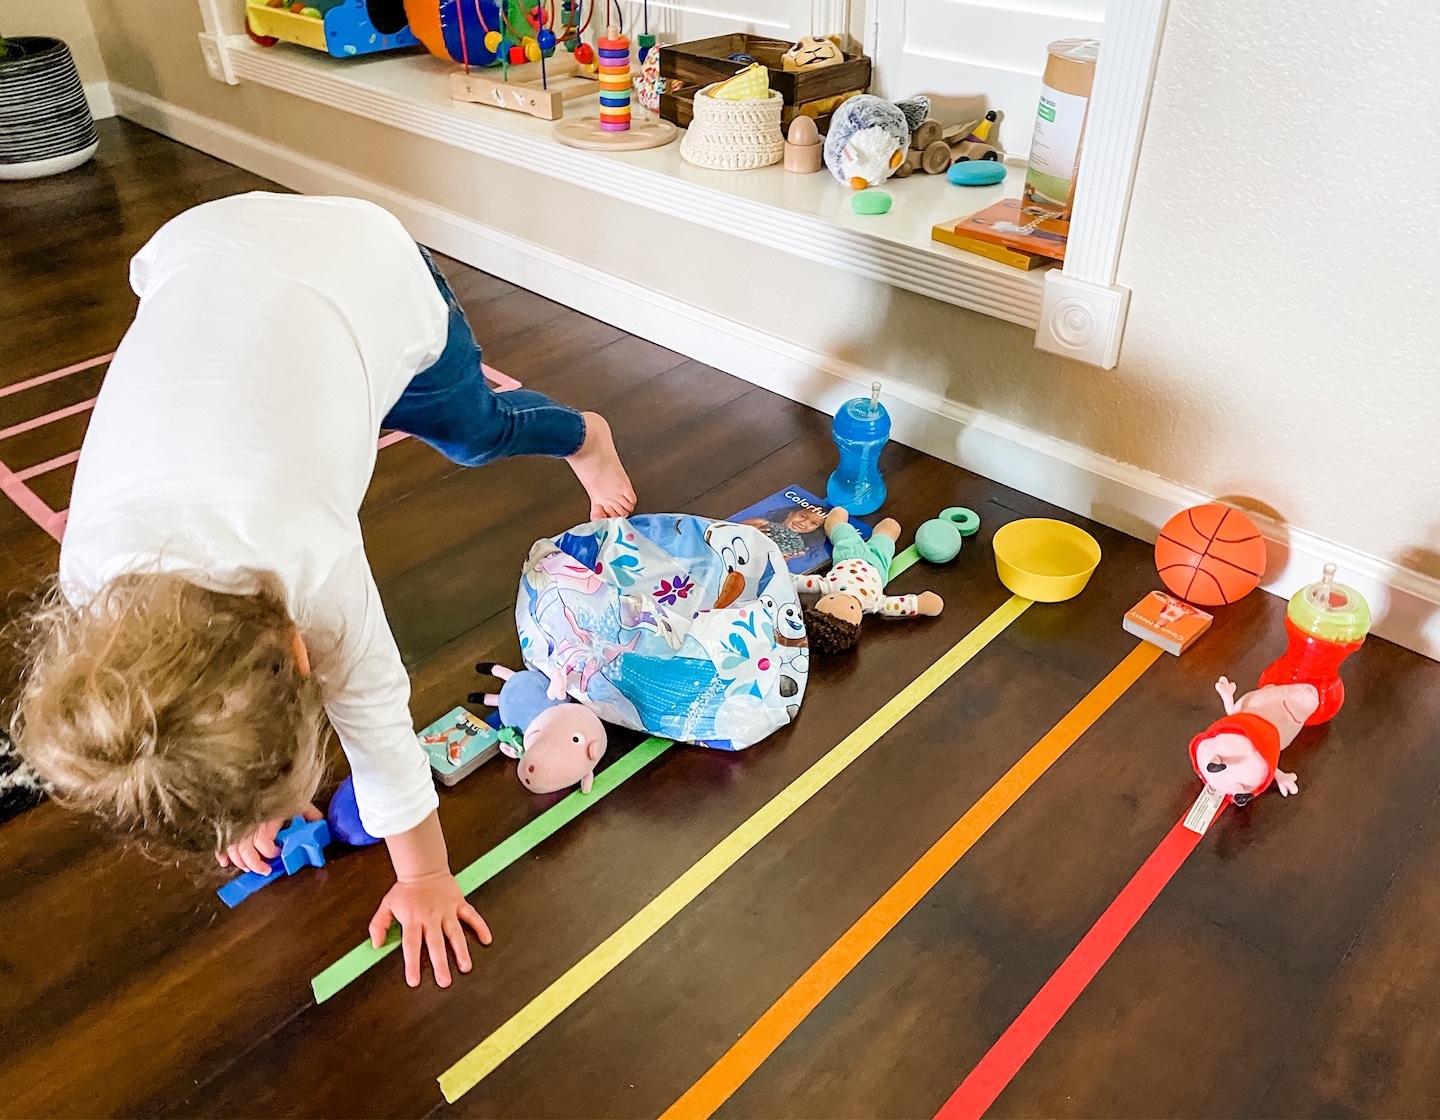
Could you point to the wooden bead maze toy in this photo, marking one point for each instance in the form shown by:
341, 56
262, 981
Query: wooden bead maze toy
533, 79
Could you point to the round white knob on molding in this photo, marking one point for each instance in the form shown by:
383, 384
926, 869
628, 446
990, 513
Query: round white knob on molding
1072, 322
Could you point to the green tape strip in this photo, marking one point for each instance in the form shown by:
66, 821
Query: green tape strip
365, 956
903, 561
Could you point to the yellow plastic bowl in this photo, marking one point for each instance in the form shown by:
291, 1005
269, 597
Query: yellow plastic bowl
1044, 560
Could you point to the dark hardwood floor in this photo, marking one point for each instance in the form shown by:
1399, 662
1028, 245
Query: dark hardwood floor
1290, 968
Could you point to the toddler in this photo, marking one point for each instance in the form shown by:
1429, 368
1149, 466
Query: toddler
215, 604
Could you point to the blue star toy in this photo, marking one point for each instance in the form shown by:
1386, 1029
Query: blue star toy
302, 844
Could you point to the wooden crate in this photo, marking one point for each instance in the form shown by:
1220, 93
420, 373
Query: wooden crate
706, 60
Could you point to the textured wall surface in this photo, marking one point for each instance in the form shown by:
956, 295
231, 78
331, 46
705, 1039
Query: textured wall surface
62, 19
1284, 340
1285, 324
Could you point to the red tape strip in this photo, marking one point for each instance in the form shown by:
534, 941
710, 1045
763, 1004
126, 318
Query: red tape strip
999, 1067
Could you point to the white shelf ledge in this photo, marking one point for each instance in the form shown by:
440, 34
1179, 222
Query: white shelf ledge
805, 215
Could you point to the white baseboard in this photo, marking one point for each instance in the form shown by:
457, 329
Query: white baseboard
102, 105
1406, 604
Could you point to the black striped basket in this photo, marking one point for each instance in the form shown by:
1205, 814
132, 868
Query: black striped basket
45, 122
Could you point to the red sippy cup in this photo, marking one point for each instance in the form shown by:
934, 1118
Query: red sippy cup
1325, 623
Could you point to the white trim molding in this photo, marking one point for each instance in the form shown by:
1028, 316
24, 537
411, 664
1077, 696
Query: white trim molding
1082, 315
224, 24
97, 96
1406, 604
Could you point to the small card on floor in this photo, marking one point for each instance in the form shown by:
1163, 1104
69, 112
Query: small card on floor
458, 743
1166, 621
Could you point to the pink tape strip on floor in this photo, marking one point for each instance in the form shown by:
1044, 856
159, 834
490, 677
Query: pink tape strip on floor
48, 465
13, 483
48, 418
54, 375
30, 503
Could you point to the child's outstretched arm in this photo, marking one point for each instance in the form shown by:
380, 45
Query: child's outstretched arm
367, 696
427, 902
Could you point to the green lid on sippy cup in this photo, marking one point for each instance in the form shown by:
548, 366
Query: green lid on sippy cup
1330, 611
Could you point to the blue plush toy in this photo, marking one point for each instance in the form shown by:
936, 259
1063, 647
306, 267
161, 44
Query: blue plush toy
868, 138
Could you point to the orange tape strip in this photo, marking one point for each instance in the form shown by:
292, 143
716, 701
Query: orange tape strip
757, 1044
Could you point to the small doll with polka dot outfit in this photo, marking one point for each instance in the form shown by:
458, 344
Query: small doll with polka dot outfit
855, 585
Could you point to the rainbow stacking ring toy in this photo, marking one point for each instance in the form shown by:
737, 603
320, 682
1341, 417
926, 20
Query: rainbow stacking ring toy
615, 88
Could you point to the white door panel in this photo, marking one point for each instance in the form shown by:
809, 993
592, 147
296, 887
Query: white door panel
969, 54
678, 21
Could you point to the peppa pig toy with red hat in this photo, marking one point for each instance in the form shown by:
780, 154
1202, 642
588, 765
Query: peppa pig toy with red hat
1239, 755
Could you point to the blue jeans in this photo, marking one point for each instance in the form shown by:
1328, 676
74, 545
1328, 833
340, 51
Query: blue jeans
452, 407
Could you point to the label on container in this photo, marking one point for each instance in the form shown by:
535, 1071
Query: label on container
1055, 150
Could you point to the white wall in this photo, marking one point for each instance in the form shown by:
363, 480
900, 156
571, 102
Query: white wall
1284, 340
1283, 336
63, 19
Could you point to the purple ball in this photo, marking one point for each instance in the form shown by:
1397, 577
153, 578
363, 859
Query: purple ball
343, 816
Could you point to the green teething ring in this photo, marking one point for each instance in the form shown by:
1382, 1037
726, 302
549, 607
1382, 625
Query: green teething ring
966, 520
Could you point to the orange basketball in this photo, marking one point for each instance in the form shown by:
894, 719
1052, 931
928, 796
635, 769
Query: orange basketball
1210, 555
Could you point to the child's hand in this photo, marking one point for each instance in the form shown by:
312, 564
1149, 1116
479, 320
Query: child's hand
429, 910
255, 852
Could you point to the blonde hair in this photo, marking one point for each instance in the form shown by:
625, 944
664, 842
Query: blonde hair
177, 714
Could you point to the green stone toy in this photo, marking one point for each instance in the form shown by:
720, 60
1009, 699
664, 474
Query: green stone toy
939, 539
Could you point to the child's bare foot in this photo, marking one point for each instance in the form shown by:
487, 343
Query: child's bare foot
930, 603
597, 465
837, 516
888, 528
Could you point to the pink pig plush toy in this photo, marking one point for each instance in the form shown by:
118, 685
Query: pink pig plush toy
1239, 755
562, 741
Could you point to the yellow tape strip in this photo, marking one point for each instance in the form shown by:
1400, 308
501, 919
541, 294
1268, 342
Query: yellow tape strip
536, 1015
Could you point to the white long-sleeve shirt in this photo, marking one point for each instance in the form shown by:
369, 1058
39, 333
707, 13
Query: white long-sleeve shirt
236, 431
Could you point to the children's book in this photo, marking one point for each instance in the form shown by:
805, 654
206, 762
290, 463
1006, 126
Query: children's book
946, 235
1168, 622
1008, 225
794, 519
459, 743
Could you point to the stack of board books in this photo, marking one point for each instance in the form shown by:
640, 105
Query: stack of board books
1007, 233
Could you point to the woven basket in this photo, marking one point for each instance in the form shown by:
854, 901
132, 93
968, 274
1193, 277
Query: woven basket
45, 123
734, 135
